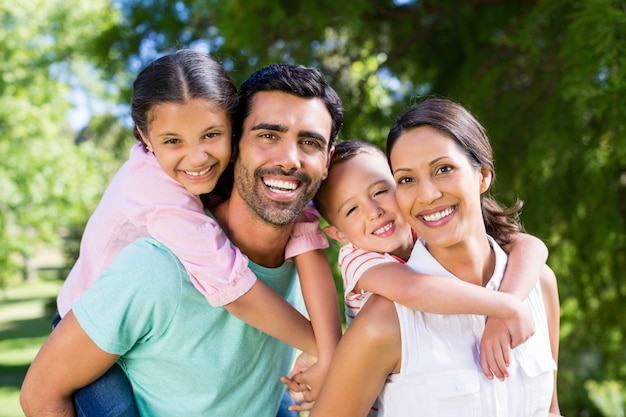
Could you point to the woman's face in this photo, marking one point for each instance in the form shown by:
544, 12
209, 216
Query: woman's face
191, 142
437, 188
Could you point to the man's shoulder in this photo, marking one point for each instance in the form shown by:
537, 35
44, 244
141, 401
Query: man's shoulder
147, 254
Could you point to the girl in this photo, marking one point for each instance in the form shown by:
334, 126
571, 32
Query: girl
428, 361
182, 106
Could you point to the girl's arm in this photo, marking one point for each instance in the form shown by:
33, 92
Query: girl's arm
217, 269
320, 297
368, 352
176, 218
67, 361
264, 309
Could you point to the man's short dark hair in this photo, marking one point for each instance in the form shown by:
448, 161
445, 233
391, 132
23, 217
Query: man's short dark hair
298, 80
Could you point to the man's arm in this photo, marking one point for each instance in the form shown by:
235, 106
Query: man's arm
67, 361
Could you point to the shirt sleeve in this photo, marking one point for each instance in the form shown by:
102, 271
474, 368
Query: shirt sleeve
175, 217
354, 262
125, 306
306, 234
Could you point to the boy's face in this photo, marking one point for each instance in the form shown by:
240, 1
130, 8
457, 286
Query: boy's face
361, 200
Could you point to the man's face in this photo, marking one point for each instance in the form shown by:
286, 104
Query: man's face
283, 155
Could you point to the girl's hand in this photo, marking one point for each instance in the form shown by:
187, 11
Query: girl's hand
304, 382
298, 393
303, 362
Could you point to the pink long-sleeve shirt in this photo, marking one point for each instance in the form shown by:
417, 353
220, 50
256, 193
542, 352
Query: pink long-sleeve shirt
143, 200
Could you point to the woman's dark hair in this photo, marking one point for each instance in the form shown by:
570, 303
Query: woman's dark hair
456, 122
177, 78
297, 80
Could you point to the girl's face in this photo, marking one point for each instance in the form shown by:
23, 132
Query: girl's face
191, 142
362, 206
438, 190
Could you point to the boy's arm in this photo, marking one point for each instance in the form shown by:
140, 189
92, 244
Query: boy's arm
67, 361
264, 309
320, 297
434, 294
527, 257
447, 296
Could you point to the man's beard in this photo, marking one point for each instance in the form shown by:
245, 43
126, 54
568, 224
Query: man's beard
277, 213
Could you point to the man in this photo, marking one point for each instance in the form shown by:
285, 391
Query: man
183, 357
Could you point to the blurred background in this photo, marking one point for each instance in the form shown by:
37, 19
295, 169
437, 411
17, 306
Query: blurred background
546, 78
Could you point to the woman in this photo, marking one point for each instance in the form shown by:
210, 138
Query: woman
426, 364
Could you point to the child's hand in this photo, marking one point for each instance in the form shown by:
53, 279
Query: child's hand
500, 336
521, 326
298, 393
304, 382
303, 362
495, 347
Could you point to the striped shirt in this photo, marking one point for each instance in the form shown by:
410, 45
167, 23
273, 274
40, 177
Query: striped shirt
353, 263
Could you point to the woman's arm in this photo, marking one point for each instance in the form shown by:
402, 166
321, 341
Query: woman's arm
550, 292
67, 361
368, 352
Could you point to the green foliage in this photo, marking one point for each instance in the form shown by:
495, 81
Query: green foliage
608, 397
47, 183
545, 77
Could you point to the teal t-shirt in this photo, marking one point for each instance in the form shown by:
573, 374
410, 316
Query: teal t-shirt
183, 356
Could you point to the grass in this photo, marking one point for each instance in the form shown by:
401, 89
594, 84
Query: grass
24, 325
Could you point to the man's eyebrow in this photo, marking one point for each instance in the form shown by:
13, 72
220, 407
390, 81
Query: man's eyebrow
282, 129
269, 126
313, 135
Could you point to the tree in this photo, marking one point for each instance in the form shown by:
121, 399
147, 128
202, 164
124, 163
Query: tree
545, 78
47, 183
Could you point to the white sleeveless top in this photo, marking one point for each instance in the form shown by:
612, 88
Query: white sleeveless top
440, 374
